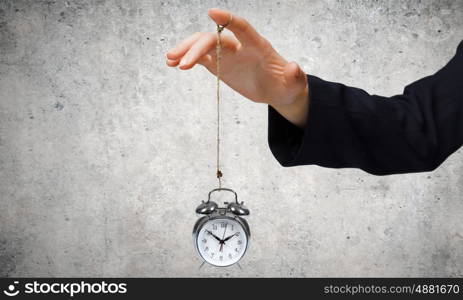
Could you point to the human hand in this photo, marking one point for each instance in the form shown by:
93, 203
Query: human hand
248, 64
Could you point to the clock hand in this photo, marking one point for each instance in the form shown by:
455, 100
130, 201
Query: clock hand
229, 237
224, 231
222, 241
223, 244
216, 237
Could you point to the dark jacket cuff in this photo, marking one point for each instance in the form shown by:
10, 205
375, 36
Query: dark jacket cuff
292, 145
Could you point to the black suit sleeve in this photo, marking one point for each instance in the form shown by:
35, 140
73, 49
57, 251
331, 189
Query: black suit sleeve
348, 128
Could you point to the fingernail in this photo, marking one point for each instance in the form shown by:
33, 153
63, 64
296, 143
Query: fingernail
183, 61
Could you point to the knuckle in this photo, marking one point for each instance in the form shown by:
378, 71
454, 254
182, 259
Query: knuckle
265, 45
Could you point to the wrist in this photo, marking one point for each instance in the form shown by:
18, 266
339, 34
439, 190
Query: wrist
296, 111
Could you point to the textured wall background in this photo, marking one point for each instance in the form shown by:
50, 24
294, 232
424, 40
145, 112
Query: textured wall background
105, 152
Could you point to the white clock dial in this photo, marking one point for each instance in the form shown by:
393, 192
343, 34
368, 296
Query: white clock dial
222, 242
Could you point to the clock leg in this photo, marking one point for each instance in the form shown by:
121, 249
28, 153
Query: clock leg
202, 264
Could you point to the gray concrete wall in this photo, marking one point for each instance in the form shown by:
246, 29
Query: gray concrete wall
105, 152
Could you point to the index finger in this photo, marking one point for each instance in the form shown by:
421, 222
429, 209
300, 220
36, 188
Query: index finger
241, 28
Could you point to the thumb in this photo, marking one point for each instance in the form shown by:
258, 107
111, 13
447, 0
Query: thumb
294, 77
240, 27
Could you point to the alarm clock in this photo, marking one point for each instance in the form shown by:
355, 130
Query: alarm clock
221, 236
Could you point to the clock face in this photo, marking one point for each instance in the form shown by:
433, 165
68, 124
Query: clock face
222, 242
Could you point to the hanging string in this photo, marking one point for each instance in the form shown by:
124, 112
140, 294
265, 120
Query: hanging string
218, 51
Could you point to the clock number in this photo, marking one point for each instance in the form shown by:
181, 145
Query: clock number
206, 249
240, 242
232, 228
214, 227
204, 241
236, 249
223, 225
221, 257
230, 256
238, 234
